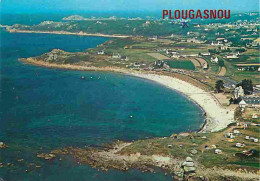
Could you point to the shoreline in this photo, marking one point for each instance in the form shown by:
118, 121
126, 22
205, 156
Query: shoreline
206, 101
13, 30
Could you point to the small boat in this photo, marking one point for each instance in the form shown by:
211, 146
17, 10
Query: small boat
82, 77
131, 116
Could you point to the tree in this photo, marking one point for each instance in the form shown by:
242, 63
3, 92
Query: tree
247, 85
231, 100
221, 63
219, 85
237, 101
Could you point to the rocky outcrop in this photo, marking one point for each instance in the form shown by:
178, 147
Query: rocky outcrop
3, 145
189, 168
46, 156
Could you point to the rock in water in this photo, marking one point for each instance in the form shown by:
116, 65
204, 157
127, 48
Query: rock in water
2, 145
46, 156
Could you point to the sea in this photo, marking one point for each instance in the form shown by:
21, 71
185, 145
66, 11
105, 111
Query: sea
43, 109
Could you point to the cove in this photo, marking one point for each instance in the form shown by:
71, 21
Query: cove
43, 109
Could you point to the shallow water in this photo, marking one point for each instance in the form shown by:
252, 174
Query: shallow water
44, 109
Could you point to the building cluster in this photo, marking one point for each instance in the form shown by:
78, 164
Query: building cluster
249, 102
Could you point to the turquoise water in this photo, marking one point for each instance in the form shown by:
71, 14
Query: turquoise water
44, 109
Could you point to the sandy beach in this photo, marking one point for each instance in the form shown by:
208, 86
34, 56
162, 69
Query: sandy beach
218, 117
13, 30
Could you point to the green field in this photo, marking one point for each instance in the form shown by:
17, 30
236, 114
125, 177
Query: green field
184, 64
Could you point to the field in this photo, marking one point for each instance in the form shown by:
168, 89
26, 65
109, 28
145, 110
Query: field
158, 56
181, 64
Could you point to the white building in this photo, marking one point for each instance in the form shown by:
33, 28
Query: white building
101, 52
242, 104
214, 59
116, 55
233, 56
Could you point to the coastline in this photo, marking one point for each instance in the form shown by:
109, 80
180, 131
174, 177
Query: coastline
206, 101
13, 30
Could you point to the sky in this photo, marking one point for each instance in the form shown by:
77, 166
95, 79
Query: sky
33, 6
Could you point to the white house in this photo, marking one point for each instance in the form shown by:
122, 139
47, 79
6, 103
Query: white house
101, 52
205, 54
214, 59
242, 104
175, 56
224, 47
233, 56
116, 55
218, 151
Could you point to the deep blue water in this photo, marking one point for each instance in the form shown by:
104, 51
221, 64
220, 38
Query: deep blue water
44, 109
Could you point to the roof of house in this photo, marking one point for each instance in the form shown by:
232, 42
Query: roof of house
251, 100
124, 57
242, 102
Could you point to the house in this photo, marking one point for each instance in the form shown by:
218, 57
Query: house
232, 56
169, 51
175, 56
220, 39
242, 104
218, 151
154, 38
101, 52
194, 40
214, 59
223, 47
205, 54
251, 101
240, 145
124, 58
116, 55
159, 63
254, 116
218, 43
172, 54
136, 64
